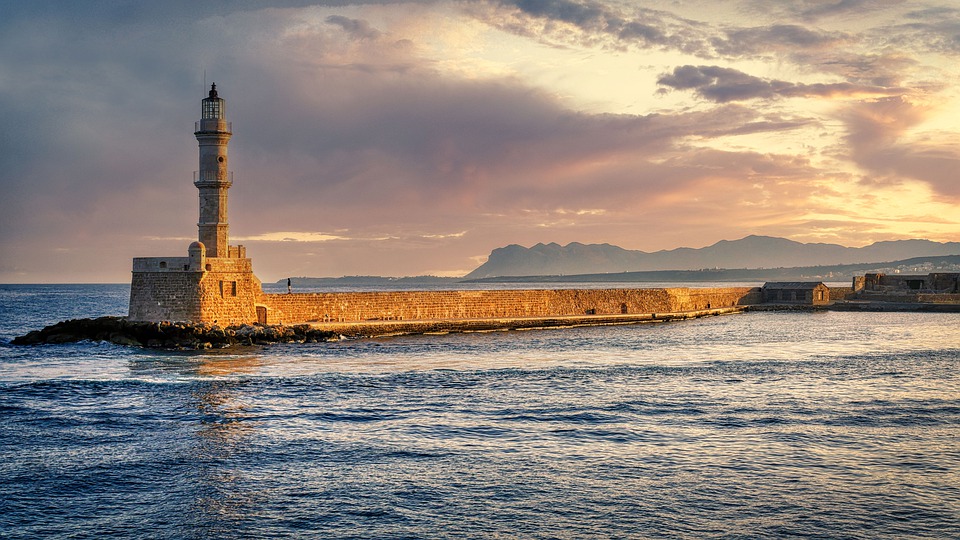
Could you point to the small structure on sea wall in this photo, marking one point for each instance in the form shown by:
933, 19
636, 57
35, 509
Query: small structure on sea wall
943, 283
215, 282
811, 293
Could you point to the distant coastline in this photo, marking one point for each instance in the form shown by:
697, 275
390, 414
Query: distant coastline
834, 273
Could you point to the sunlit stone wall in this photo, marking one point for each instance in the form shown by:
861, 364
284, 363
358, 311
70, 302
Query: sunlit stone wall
220, 290
430, 305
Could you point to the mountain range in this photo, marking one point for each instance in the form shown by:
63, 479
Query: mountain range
749, 252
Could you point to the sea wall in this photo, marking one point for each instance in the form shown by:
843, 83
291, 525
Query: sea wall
359, 329
486, 304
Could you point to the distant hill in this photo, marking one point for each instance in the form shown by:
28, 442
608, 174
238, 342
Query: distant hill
827, 274
751, 252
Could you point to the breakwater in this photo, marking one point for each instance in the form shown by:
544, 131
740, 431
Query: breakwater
494, 304
398, 327
305, 317
166, 335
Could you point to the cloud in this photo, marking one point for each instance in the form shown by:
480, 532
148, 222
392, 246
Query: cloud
782, 38
723, 85
593, 23
817, 10
583, 14
460, 234
359, 29
868, 58
876, 129
935, 30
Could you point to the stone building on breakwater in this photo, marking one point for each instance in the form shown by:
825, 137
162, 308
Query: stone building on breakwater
938, 287
215, 282
813, 293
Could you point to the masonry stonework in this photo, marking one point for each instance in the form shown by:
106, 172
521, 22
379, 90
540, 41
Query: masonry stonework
165, 296
194, 288
488, 304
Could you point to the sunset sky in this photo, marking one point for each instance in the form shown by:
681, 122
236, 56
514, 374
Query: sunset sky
408, 138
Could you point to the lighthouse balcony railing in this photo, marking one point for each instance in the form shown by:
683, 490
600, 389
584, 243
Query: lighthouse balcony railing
212, 125
212, 176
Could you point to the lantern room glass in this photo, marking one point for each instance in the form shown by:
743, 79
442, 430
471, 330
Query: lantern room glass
213, 105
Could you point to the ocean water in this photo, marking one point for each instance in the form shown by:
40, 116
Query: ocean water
759, 425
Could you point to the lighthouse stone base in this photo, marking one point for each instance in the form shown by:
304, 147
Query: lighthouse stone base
220, 290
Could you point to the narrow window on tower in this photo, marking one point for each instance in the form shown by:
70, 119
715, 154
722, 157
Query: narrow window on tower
228, 288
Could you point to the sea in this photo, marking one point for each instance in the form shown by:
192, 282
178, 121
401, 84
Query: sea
758, 425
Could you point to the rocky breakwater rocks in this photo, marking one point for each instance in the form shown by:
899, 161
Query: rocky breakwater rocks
167, 335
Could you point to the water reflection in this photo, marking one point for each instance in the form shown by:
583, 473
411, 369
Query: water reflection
167, 366
228, 365
225, 428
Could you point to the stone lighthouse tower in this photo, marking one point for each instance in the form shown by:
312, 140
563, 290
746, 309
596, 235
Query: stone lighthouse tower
213, 179
215, 281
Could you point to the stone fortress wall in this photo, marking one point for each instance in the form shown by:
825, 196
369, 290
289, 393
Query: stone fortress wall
232, 296
492, 304
842, 293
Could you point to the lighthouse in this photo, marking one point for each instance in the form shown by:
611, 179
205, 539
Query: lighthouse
213, 179
215, 281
